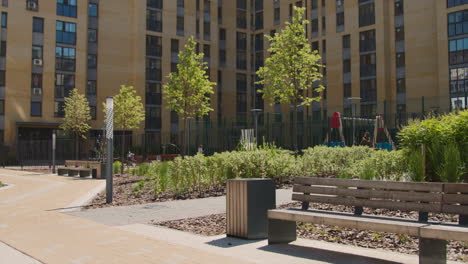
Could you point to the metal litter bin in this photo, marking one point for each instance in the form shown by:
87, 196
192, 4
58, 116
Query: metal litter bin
247, 203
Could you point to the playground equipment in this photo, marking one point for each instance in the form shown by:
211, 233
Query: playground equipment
382, 138
336, 132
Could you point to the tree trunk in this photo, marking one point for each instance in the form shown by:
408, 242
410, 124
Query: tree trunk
184, 138
295, 127
76, 147
122, 157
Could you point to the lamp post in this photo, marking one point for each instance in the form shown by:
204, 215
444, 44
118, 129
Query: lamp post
256, 112
110, 150
354, 110
53, 150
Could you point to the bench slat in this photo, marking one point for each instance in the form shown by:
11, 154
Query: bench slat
387, 185
456, 198
455, 209
399, 226
363, 193
351, 201
456, 188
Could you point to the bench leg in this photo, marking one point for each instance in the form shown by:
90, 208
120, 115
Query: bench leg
281, 232
432, 251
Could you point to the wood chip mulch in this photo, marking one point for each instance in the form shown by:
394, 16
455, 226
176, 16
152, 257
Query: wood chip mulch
213, 225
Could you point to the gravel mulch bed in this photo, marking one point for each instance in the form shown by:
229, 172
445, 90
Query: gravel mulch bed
216, 225
125, 194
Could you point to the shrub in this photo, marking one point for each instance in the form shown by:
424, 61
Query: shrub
117, 166
332, 162
381, 165
436, 133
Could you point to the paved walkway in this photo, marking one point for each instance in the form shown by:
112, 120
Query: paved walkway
31, 223
165, 211
34, 230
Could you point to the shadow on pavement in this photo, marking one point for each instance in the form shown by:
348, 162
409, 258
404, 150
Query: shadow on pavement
323, 255
228, 242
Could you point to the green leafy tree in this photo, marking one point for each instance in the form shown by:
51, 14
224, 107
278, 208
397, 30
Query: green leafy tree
188, 90
77, 117
292, 69
129, 112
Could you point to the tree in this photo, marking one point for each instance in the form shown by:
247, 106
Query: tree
189, 89
292, 69
129, 112
77, 116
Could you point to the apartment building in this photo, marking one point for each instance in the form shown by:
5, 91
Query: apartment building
397, 56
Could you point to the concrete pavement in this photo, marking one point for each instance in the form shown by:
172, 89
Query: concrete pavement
34, 230
30, 222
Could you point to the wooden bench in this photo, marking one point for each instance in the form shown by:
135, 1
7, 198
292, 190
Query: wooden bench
424, 198
82, 168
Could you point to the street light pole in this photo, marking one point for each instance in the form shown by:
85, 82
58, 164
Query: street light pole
354, 110
53, 151
256, 112
110, 150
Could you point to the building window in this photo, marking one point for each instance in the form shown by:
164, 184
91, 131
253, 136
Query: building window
340, 20
65, 58
4, 19
367, 41
5, 3
400, 59
459, 80
314, 4
64, 84
369, 90
2, 107
92, 61
241, 15
153, 118
346, 90
315, 46
346, 65
401, 86
65, 32
222, 47
324, 25
37, 52
36, 109
153, 69
93, 10
38, 25
154, 20
92, 35
277, 13
458, 23
452, 3
241, 40
59, 109
32, 5
366, 15
158, 4
153, 94
346, 42
368, 65
241, 91
220, 12
153, 46
458, 49
2, 78
400, 33
180, 24
66, 8
91, 88
399, 9
315, 26
3, 49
